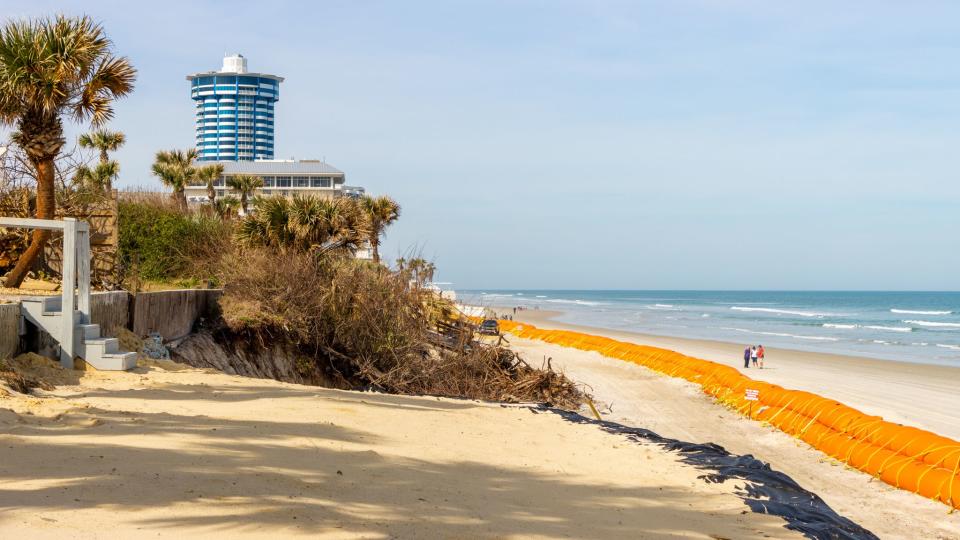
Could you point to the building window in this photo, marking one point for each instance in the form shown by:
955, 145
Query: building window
267, 181
283, 181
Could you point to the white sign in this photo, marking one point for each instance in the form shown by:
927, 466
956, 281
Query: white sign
752, 395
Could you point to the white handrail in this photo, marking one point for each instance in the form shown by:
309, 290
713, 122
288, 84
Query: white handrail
24, 223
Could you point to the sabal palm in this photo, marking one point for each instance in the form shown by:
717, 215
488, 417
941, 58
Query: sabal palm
103, 140
381, 212
245, 184
175, 169
305, 223
207, 175
226, 207
49, 68
100, 177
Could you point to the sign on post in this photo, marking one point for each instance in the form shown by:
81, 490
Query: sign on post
751, 396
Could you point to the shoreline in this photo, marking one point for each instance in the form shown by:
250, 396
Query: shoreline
919, 395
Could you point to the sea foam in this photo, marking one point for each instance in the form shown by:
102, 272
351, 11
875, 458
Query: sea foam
785, 311
917, 312
933, 324
781, 334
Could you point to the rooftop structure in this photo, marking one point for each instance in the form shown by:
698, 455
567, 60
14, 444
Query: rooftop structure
235, 112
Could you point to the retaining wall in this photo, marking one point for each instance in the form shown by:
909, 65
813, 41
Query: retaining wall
111, 310
172, 314
9, 326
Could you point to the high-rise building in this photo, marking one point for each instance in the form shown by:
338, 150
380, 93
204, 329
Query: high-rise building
234, 112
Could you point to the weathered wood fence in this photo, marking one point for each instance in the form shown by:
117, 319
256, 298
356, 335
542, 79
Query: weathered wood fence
9, 326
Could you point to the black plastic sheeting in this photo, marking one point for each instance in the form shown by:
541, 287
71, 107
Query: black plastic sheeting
766, 491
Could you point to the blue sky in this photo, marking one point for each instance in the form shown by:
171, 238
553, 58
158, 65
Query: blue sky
621, 145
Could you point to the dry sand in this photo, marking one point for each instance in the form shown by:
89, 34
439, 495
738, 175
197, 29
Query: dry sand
193, 453
924, 396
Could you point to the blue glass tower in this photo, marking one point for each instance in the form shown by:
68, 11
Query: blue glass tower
234, 112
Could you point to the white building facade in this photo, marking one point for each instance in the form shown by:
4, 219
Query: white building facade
280, 177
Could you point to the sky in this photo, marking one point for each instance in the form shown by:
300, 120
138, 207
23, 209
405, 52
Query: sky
676, 144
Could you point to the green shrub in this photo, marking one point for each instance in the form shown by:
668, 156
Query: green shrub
160, 243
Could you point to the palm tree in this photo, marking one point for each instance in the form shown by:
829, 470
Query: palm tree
246, 184
207, 175
104, 141
305, 224
51, 67
381, 212
175, 169
100, 177
226, 207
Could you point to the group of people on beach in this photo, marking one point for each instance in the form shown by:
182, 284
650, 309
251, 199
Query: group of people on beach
753, 354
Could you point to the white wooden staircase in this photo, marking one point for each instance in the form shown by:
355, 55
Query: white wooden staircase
67, 318
100, 352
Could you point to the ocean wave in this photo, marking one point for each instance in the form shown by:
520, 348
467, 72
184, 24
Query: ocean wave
933, 324
786, 311
541, 296
868, 327
915, 312
890, 328
661, 307
499, 295
577, 302
782, 334
951, 347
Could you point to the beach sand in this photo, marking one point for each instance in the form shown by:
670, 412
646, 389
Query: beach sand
919, 395
191, 453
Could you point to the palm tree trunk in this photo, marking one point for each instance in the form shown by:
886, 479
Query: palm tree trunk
182, 200
104, 157
375, 244
46, 209
211, 194
243, 201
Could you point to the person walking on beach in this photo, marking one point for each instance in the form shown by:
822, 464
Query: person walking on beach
753, 356
760, 355
746, 357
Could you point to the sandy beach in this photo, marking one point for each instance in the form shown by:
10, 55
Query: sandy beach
195, 453
634, 395
919, 395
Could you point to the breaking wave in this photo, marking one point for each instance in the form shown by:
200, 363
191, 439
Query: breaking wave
932, 324
781, 334
785, 311
868, 327
916, 312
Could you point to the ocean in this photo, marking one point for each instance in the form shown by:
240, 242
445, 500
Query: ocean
919, 327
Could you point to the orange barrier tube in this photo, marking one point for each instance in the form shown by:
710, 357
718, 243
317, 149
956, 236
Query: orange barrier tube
906, 457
